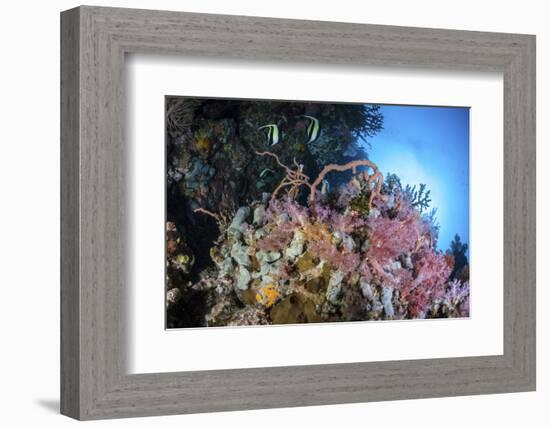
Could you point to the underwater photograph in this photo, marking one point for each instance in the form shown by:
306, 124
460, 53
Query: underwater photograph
292, 212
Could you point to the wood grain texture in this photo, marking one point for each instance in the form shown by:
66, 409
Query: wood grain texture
94, 382
70, 314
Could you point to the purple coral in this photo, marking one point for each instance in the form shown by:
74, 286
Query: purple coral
457, 297
456, 292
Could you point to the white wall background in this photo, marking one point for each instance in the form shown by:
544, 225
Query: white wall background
29, 212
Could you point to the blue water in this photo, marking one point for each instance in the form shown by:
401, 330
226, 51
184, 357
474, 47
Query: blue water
430, 145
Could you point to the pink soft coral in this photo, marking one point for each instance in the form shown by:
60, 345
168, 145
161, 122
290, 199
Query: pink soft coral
278, 239
346, 223
457, 297
431, 271
285, 216
287, 207
390, 237
389, 275
340, 259
456, 292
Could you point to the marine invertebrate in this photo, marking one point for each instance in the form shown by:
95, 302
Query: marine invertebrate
456, 293
203, 197
339, 259
343, 222
278, 239
291, 262
225, 219
303, 263
207, 212
296, 178
180, 113
374, 180
295, 308
180, 257
267, 295
361, 203
203, 143
420, 198
431, 271
390, 237
248, 316
172, 297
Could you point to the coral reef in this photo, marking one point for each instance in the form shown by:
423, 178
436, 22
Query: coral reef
284, 262
296, 233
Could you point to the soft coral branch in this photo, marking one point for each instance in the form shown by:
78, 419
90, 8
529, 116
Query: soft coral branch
431, 272
295, 178
375, 178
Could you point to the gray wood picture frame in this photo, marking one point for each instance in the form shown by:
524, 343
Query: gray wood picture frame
94, 41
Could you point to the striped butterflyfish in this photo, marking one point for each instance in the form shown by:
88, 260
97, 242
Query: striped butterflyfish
272, 133
313, 129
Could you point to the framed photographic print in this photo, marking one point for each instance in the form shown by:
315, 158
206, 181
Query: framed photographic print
303, 212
